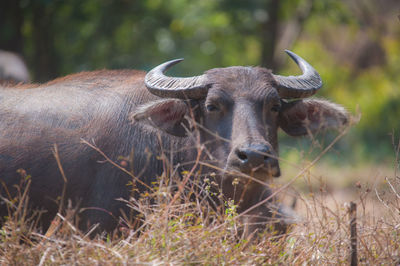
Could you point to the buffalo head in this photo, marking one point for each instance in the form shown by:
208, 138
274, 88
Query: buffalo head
238, 110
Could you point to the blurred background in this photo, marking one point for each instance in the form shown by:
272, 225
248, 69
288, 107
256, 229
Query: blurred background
354, 44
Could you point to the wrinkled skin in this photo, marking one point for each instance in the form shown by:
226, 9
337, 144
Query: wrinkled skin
237, 123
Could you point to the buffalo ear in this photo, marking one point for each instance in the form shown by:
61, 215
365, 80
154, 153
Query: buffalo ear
166, 114
309, 116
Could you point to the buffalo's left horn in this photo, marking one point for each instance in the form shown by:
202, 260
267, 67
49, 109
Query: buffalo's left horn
301, 86
171, 87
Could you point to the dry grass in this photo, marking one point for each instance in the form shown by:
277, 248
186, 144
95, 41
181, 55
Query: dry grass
189, 233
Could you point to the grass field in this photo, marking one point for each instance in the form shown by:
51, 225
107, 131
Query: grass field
186, 233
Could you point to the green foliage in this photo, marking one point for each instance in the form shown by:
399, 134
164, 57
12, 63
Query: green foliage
374, 92
63, 37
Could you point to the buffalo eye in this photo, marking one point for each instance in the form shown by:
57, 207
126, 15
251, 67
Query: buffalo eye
212, 108
276, 108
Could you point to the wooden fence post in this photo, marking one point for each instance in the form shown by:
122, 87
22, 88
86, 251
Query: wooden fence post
353, 233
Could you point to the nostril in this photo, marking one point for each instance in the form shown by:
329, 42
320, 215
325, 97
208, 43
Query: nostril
242, 156
252, 158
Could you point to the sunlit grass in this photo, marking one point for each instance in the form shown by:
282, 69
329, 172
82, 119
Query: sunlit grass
187, 232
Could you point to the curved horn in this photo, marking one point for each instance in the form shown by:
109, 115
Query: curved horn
171, 87
301, 86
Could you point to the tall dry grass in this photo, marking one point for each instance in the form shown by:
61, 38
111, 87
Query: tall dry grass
189, 233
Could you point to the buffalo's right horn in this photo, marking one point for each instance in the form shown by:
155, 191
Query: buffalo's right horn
171, 87
301, 86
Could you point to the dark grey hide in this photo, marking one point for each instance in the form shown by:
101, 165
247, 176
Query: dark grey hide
235, 112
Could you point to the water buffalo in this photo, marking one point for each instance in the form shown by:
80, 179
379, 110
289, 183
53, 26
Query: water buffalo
12, 68
233, 112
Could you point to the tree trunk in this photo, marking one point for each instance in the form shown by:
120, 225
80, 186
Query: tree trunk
269, 34
11, 21
45, 56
